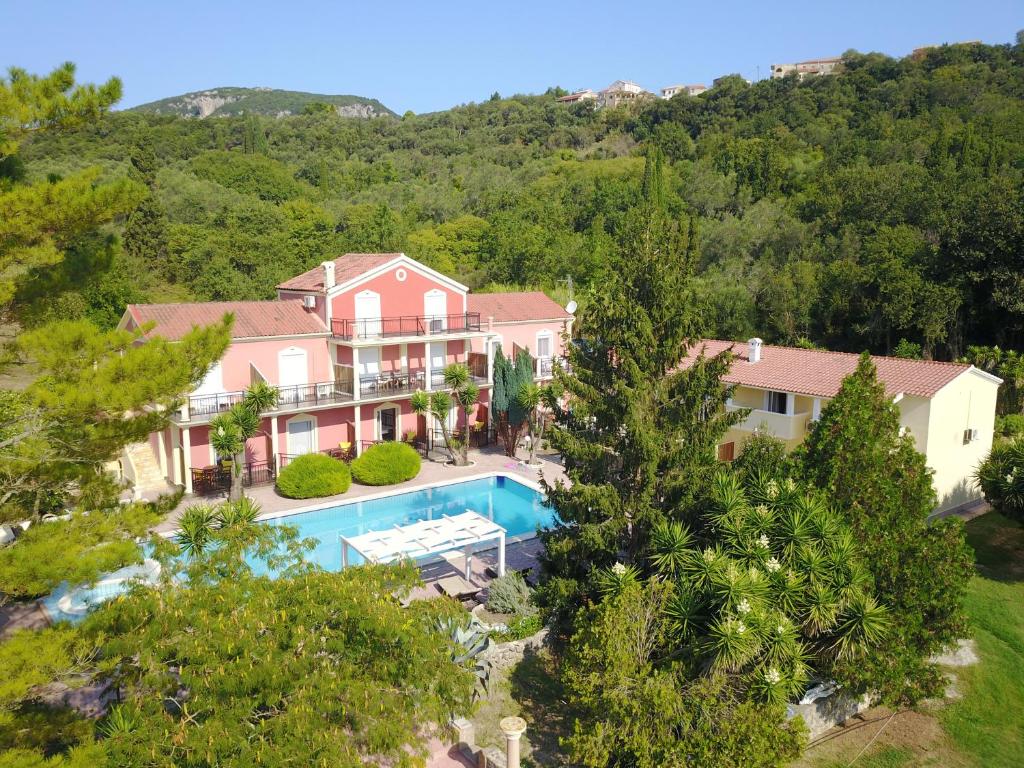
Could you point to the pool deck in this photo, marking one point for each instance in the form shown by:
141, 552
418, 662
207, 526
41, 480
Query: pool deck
487, 460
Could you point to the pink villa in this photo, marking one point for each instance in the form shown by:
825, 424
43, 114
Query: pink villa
346, 344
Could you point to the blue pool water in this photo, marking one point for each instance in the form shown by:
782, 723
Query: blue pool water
515, 507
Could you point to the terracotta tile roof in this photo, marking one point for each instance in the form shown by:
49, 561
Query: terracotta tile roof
345, 268
253, 319
515, 307
820, 373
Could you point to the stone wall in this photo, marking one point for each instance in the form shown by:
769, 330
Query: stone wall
504, 655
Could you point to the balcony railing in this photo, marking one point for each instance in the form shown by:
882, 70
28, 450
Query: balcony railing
781, 425
407, 325
300, 395
380, 385
207, 481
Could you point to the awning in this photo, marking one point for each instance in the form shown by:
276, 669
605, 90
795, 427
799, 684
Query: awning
428, 537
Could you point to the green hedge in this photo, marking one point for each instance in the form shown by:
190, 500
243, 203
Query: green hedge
312, 475
386, 464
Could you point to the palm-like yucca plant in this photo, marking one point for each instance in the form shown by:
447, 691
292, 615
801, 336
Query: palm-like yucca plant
670, 548
237, 514
864, 622
686, 613
121, 721
437, 405
611, 582
196, 530
821, 610
230, 431
779, 595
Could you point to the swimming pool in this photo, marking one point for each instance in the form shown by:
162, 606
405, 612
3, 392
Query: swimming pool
510, 503
516, 507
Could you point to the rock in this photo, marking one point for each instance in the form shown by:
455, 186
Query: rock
964, 654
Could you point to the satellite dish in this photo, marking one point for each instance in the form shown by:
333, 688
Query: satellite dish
571, 307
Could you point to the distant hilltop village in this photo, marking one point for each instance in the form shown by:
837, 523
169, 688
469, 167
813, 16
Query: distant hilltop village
626, 91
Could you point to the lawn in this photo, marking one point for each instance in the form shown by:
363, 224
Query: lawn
985, 728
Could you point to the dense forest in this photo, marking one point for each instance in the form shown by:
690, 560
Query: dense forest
881, 208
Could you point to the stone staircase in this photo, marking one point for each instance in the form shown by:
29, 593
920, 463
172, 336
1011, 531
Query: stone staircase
142, 469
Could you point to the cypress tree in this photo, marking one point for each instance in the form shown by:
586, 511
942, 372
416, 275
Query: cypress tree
507, 414
875, 476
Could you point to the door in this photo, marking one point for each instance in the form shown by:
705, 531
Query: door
292, 373
435, 307
437, 362
300, 436
369, 370
388, 424
368, 314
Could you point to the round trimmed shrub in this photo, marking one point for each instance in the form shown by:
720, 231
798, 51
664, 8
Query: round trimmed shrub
312, 475
386, 464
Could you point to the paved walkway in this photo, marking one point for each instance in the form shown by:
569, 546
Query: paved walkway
490, 459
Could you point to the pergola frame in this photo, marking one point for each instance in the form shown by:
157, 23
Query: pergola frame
428, 537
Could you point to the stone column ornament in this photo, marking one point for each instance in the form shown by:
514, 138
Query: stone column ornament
513, 728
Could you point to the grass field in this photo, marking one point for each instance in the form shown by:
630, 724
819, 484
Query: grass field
985, 728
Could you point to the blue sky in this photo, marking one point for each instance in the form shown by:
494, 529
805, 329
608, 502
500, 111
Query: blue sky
426, 56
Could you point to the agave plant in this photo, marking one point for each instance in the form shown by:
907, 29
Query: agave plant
470, 643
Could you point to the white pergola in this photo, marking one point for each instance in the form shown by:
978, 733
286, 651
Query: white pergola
428, 537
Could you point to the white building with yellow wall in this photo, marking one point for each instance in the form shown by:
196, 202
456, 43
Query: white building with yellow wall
948, 408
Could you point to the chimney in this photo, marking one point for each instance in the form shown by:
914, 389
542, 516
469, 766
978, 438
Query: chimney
754, 350
328, 275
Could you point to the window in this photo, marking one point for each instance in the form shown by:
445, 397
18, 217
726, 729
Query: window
775, 402
544, 345
727, 451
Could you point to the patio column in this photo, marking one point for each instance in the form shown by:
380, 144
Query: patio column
186, 447
274, 439
176, 457
513, 728
501, 554
355, 375
357, 429
469, 561
426, 367
816, 409
790, 404
162, 453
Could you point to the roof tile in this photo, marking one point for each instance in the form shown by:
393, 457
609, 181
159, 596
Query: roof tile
820, 373
253, 319
516, 307
345, 268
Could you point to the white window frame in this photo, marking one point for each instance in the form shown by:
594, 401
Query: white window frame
293, 351
316, 431
398, 420
768, 401
545, 334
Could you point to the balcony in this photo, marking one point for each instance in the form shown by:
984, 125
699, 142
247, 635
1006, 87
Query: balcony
406, 326
385, 384
202, 407
781, 425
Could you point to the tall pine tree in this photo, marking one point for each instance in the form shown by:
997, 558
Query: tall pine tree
638, 430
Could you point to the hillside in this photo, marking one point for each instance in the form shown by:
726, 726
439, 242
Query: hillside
272, 102
852, 211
